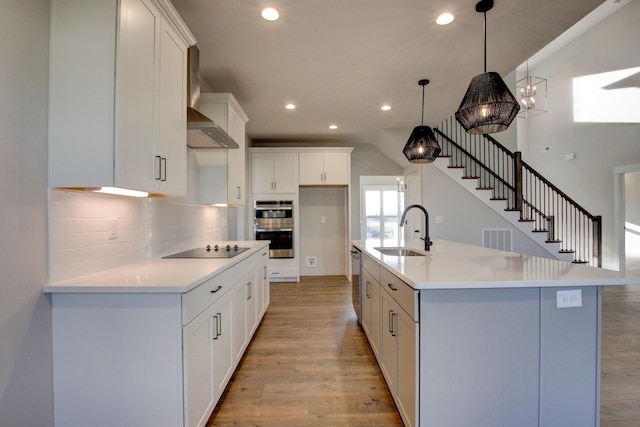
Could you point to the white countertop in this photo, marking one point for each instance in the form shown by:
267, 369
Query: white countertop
155, 275
451, 265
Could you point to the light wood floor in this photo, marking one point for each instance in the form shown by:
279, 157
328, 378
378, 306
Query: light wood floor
310, 365
620, 387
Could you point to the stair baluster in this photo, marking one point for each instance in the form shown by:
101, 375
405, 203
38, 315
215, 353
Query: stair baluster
524, 190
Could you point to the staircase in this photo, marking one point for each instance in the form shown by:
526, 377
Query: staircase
504, 182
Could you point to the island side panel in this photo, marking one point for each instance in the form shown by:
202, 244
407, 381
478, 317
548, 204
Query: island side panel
570, 366
479, 357
117, 360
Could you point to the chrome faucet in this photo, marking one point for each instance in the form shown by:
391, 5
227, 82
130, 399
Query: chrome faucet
427, 242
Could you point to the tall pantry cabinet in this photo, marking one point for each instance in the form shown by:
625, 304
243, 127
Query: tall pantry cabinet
118, 95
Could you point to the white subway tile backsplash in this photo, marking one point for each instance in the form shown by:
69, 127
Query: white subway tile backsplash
79, 225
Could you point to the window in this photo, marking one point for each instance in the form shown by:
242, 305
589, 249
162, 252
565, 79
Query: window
383, 205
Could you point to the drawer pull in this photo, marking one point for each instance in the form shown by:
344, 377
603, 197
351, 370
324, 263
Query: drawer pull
391, 287
216, 289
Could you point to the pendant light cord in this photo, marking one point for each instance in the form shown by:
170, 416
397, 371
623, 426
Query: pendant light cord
422, 117
485, 41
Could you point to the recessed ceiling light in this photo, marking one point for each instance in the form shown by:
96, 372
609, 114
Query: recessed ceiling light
385, 107
290, 107
270, 14
444, 19
332, 127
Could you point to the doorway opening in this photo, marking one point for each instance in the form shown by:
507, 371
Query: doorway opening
381, 207
627, 206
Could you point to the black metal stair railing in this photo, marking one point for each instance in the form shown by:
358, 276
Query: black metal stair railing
524, 190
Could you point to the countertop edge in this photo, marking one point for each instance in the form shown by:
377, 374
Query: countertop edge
615, 278
99, 282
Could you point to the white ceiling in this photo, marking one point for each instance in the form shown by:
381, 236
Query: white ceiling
340, 60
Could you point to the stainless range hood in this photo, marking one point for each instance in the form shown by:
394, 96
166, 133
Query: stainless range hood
202, 132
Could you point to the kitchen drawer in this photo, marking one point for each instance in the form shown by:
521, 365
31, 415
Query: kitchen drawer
405, 295
198, 299
371, 266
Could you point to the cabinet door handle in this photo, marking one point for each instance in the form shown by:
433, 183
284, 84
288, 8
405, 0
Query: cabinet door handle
366, 288
163, 172
219, 325
392, 326
390, 322
391, 287
213, 291
239, 194
159, 170
248, 291
215, 328
264, 273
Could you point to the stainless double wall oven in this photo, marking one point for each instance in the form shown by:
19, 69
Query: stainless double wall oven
273, 220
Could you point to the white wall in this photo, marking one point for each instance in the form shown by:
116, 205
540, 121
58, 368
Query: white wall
367, 160
598, 147
146, 228
325, 241
26, 385
464, 216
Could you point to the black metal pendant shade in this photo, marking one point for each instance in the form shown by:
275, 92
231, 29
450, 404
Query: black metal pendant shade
488, 106
422, 146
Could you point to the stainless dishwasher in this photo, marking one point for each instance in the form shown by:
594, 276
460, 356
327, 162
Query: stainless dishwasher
356, 286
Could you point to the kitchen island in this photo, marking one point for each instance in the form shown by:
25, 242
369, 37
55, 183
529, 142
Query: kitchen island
472, 336
154, 343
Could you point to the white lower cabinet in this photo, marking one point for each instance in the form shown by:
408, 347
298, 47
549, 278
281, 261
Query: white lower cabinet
154, 359
371, 311
208, 360
240, 314
407, 375
388, 358
390, 321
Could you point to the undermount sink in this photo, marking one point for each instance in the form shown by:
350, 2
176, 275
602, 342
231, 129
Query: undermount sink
399, 252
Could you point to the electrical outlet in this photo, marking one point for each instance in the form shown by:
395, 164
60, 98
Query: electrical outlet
112, 228
568, 299
311, 261
323, 219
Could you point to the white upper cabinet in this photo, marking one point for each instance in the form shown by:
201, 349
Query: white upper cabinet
325, 168
274, 172
118, 95
229, 185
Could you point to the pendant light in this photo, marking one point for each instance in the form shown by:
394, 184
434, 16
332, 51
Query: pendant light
422, 146
488, 106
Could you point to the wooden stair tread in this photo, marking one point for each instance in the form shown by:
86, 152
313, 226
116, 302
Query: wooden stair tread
455, 167
526, 220
579, 262
539, 230
498, 198
512, 209
484, 188
553, 241
566, 251
470, 177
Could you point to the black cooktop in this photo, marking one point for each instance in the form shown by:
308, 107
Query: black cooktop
209, 251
